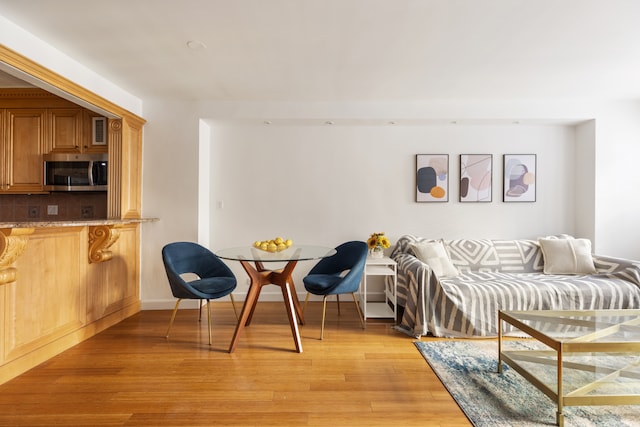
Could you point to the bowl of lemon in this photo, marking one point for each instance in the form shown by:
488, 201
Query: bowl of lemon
274, 245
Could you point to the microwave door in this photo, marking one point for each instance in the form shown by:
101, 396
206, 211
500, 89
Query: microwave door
74, 174
99, 173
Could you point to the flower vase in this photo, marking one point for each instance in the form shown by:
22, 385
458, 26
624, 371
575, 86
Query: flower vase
377, 252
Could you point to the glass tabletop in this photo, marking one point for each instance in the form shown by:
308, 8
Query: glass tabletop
293, 253
582, 326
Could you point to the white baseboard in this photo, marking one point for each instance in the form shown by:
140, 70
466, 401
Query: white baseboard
239, 297
168, 304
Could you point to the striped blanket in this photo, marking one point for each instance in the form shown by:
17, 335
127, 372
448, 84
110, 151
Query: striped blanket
500, 275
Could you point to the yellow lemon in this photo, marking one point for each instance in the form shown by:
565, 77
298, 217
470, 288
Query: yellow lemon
257, 243
272, 247
264, 246
278, 240
282, 247
288, 242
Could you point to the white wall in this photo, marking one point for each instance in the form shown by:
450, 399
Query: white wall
617, 166
170, 190
585, 161
349, 181
325, 184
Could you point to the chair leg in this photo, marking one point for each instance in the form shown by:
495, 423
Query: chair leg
304, 307
338, 300
209, 319
173, 316
355, 300
233, 303
199, 310
324, 309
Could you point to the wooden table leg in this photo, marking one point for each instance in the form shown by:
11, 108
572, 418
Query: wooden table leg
260, 277
296, 303
252, 298
284, 280
288, 301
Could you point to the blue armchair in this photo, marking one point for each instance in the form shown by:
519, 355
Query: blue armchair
215, 279
338, 274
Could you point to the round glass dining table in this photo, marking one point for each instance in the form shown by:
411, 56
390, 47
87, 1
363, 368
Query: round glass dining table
261, 276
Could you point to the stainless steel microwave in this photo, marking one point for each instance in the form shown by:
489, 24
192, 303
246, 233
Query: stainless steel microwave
75, 172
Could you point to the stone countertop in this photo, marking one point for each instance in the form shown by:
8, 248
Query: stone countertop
72, 223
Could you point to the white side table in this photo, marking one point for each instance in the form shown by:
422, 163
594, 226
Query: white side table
384, 266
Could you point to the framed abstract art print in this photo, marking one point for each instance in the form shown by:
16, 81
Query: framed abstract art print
432, 177
476, 177
519, 182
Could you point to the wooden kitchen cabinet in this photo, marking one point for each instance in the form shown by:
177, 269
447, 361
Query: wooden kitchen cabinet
65, 130
22, 145
34, 123
26, 134
71, 131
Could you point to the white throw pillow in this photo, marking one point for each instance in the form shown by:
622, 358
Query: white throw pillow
567, 256
434, 254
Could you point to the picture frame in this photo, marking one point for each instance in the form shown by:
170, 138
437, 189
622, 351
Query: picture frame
432, 178
519, 178
476, 178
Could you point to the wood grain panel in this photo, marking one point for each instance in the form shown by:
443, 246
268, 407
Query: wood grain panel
131, 200
114, 284
48, 299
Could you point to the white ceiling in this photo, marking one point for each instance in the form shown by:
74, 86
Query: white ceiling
334, 50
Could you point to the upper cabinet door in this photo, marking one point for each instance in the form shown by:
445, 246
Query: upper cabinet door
65, 130
90, 143
24, 137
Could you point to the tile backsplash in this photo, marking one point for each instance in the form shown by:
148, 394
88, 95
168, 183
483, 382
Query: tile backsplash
53, 206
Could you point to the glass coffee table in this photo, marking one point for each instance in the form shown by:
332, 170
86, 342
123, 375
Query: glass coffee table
577, 358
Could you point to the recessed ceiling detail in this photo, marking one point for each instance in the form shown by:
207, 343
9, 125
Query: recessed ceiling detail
196, 45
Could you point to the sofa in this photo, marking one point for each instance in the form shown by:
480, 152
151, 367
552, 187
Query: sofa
454, 288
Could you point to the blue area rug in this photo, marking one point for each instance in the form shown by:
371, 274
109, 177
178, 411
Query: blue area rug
468, 369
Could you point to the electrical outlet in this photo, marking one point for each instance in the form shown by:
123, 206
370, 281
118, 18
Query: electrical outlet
86, 212
52, 209
34, 211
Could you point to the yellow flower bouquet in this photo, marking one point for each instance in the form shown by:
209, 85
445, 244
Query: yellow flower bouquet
377, 243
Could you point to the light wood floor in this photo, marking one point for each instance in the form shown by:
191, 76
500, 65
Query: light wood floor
130, 375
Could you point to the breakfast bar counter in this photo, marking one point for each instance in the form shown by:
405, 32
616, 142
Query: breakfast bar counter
62, 282
73, 223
